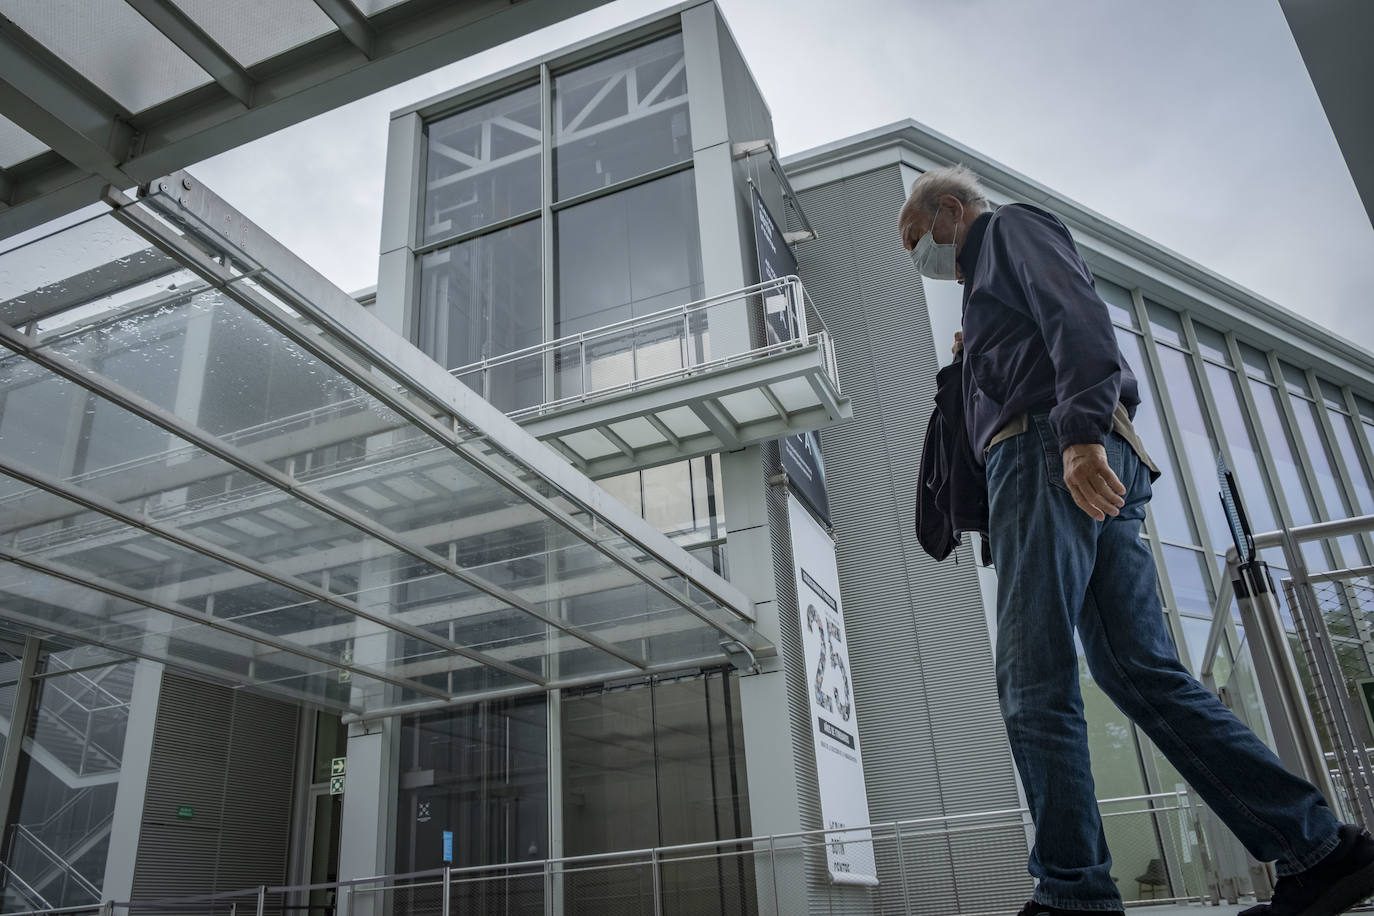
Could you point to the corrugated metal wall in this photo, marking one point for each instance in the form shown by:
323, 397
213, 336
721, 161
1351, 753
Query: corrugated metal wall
932, 735
230, 756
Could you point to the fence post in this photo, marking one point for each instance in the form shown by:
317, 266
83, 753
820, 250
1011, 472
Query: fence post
686, 339
107, 908
773, 862
582, 362
658, 888
901, 870
548, 887
262, 898
448, 891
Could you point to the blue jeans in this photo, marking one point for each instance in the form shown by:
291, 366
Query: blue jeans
1057, 570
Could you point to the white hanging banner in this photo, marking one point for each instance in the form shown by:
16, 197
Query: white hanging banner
834, 718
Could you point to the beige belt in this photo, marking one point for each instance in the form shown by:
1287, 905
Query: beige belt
1121, 425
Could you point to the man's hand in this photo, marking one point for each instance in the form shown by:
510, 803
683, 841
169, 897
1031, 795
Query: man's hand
1092, 482
958, 344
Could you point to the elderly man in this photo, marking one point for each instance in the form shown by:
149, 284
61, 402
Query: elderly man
1048, 403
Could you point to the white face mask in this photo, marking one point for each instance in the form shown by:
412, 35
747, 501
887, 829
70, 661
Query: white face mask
934, 260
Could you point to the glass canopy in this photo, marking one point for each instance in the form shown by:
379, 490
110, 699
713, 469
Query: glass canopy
214, 458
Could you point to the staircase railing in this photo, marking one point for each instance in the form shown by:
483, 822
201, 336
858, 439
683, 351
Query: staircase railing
59, 865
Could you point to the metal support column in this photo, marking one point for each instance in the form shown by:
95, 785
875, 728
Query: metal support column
1290, 719
19, 727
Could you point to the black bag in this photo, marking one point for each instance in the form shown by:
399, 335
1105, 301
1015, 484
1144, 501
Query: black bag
952, 493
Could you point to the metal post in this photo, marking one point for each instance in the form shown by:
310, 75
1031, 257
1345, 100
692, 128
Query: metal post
1290, 720
448, 891
262, 898
234, 908
658, 890
548, 886
901, 871
19, 726
107, 908
1330, 690
773, 861
686, 339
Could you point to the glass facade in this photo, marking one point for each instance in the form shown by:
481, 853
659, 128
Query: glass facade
1298, 456
68, 777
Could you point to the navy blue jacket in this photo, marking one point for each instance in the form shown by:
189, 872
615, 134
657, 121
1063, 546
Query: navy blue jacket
1036, 334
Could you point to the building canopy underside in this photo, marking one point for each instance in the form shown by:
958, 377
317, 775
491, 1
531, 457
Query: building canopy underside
214, 458
123, 91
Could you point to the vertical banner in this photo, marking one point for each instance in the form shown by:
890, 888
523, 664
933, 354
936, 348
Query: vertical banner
801, 454
834, 718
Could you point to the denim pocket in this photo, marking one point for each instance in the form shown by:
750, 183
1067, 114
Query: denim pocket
1054, 459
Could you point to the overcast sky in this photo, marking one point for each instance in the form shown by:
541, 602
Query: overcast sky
1194, 123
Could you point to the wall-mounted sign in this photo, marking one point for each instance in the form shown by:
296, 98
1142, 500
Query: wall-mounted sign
338, 766
801, 454
834, 714
336, 785
186, 811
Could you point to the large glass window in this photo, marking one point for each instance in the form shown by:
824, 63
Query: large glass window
1166, 504
1344, 429
479, 773
67, 781
1199, 443
1259, 502
621, 117
1118, 299
629, 254
657, 765
482, 165
483, 298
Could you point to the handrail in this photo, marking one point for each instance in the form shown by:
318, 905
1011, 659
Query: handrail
820, 339
61, 863
790, 283
1317, 531
90, 681
64, 808
883, 831
28, 889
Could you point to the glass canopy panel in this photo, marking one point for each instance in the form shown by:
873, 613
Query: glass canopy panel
100, 38
17, 144
318, 509
254, 30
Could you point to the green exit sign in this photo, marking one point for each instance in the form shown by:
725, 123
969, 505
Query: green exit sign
186, 811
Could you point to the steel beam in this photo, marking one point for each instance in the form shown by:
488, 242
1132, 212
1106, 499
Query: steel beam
196, 43
51, 100
352, 23
412, 39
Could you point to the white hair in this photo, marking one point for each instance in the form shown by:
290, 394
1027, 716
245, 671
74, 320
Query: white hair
926, 191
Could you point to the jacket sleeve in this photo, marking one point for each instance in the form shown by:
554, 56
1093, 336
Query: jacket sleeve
1036, 250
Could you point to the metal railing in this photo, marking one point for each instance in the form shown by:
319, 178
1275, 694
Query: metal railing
1313, 715
648, 350
1158, 842
55, 864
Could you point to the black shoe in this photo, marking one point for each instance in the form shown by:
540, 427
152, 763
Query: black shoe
1042, 909
1332, 886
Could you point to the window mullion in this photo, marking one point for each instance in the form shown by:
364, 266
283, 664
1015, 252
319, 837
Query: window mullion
1338, 464
1191, 498
1267, 465
1314, 494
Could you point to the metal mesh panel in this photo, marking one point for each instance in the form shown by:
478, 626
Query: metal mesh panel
16, 144
254, 30
617, 889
